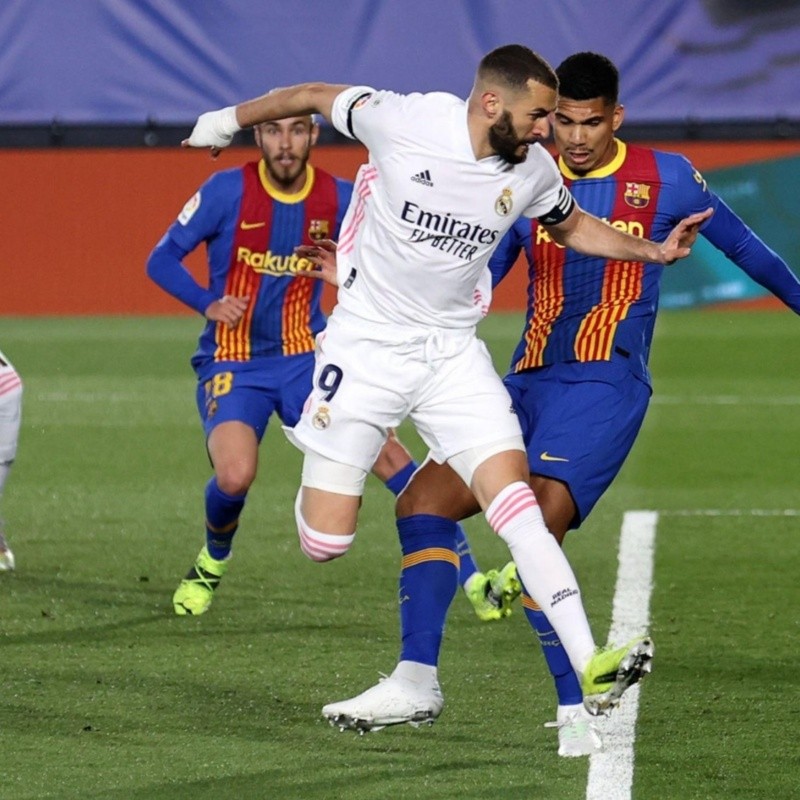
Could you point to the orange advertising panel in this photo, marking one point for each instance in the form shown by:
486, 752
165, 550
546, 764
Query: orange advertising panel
79, 224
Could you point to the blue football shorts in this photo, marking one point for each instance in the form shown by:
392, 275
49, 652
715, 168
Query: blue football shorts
249, 392
579, 422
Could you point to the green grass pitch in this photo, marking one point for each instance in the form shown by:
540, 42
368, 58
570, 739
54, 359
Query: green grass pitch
104, 693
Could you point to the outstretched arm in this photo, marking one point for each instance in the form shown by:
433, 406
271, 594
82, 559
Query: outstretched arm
587, 234
215, 129
728, 233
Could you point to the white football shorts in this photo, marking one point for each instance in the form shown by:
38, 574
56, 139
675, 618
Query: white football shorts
368, 378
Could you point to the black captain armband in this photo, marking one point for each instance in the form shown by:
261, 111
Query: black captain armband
561, 210
356, 102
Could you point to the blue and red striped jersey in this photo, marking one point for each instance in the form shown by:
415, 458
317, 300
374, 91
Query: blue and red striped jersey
250, 230
583, 308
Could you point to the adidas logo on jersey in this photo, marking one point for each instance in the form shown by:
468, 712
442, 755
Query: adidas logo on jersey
423, 177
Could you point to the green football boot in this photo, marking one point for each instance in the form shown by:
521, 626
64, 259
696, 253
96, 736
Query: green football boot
196, 591
492, 593
505, 583
610, 673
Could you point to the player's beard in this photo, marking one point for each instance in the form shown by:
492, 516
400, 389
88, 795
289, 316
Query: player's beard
505, 142
284, 176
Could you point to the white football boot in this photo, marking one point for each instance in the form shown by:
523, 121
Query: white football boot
577, 733
411, 694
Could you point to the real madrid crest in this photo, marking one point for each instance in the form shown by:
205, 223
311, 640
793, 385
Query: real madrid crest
504, 203
322, 418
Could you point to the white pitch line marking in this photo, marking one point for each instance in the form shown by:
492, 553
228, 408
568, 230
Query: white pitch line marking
611, 772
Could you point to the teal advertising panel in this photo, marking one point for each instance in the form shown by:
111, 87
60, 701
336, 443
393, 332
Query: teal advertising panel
765, 196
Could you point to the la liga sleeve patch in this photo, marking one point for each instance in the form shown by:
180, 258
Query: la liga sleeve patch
188, 211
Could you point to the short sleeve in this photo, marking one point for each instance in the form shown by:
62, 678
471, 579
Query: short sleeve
346, 102
561, 210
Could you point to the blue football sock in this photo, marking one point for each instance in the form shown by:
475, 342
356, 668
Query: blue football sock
568, 687
468, 566
222, 519
428, 583
398, 481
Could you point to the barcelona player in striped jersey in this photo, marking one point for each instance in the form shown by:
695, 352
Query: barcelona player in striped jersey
579, 378
10, 417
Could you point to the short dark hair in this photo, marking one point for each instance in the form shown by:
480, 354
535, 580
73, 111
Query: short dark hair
584, 76
514, 65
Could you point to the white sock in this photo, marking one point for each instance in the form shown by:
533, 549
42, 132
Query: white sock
414, 671
516, 517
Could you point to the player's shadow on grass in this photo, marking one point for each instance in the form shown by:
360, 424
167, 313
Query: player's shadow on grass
395, 774
84, 633
99, 610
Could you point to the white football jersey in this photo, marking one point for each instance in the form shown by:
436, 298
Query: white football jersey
425, 214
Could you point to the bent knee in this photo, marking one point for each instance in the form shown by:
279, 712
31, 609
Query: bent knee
319, 545
416, 500
236, 479
322, 547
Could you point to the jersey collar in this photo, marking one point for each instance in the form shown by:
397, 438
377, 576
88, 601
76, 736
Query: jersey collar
283, 197
602, 172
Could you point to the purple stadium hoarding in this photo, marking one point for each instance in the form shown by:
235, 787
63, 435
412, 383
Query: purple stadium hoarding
126, 61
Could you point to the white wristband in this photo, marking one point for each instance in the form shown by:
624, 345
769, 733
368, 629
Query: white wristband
227, 121
214, 128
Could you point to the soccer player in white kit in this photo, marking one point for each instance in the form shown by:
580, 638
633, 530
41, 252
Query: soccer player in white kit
10, 418
445, 180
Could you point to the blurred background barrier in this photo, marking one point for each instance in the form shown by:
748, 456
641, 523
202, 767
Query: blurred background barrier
161, 62
95, 96
79, 224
